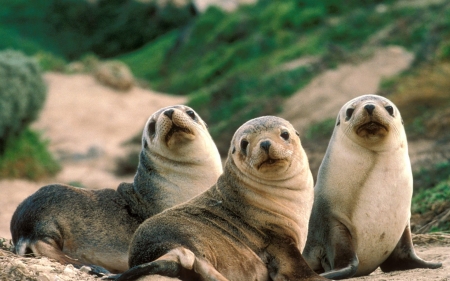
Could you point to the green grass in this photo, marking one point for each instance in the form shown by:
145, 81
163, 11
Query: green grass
427, 178
321, 130
432, 195
27, 157
424, 200
147, 62
11, 39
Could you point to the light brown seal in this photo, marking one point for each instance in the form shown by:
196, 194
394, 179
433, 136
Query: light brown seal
251, 225
361, 211
178, 161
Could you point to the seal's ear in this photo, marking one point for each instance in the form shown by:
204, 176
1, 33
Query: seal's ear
297, 133
403, 122
338, 121
234, 150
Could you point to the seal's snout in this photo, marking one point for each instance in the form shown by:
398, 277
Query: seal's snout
265, 145
369, 108
169, 113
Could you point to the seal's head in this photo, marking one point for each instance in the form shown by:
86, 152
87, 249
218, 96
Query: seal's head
267, 147
174, 129
369, 120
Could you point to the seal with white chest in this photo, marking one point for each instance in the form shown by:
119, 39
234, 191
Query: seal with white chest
178, 161
251, 225
362, 199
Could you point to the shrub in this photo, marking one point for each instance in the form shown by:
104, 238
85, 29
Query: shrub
22, 94
26, 156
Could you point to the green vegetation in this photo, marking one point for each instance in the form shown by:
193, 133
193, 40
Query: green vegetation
233, 63
22, 94
27, 156
321, 130
423, 97
71, 28
430, 177
428, 200
434, 200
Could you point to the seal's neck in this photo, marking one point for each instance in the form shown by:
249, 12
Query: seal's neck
186, 178
282, 206
171, 183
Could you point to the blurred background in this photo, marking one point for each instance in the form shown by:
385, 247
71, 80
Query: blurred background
79, 78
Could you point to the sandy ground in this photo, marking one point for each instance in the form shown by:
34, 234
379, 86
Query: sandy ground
43, 269
431, 253
86, 123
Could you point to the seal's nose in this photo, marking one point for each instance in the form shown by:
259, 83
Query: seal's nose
265, 145
369, 108
169, 113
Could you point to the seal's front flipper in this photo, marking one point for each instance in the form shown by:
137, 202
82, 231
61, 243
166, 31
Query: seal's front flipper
404, 257
160, 267
287, 263
341, 255
49, 248
95, 270
178, 263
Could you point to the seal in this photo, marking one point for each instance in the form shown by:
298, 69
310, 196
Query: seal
251, 225
178, 161
362, 198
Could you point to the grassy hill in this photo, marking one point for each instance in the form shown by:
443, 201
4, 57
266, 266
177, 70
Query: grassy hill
233, 63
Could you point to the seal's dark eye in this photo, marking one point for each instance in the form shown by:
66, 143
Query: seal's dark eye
244, 144
191, 114
390, 110
285, 135
349, 113
152, 127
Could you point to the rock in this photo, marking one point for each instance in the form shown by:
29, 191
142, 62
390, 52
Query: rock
114, 74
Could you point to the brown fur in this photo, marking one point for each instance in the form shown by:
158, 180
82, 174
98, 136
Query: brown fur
249, 226
94, 227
